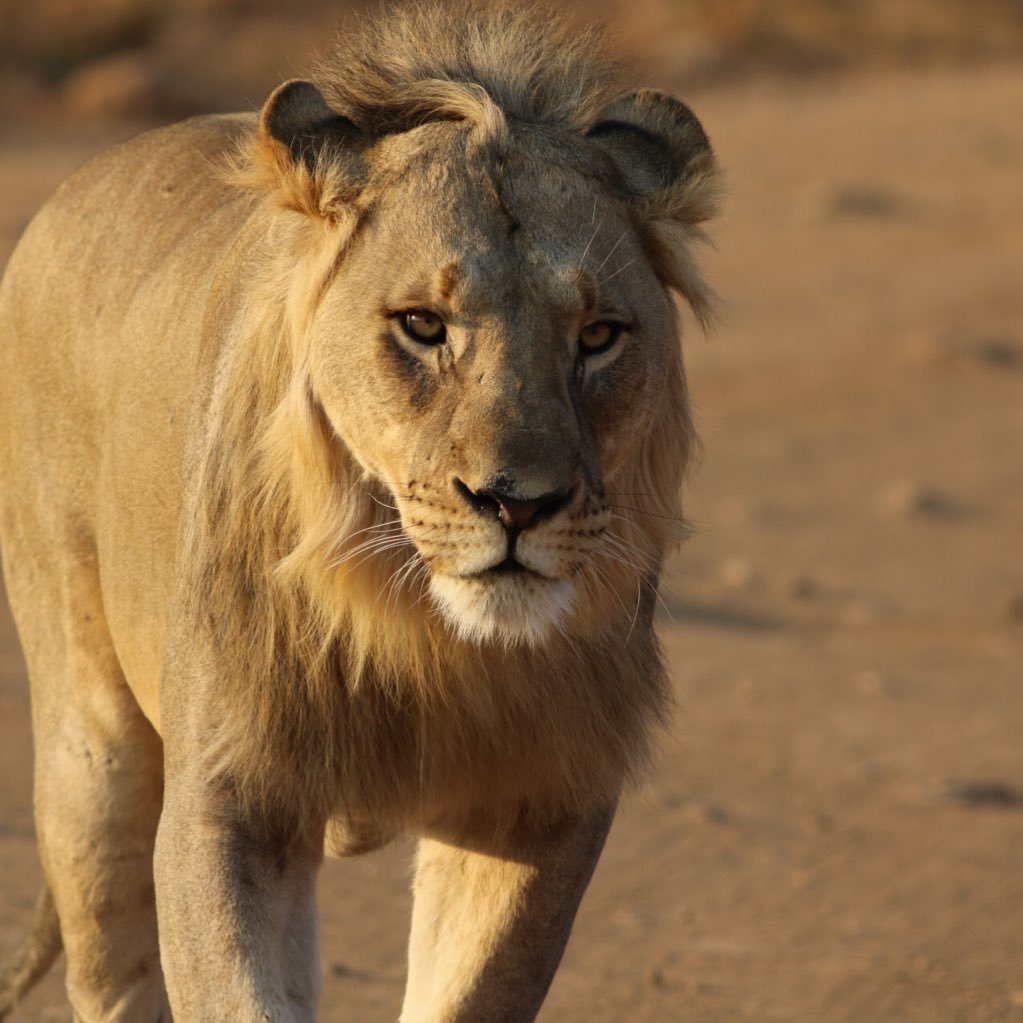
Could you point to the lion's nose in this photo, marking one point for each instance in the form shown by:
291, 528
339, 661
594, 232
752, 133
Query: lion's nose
514, 513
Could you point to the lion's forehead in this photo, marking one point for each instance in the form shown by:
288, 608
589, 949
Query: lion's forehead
520, 285
550, 266
527, 216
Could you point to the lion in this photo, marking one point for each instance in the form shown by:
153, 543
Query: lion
341, 448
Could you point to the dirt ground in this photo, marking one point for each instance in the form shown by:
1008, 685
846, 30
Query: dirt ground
834, 829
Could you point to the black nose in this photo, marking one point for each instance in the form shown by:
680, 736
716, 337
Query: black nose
514, 513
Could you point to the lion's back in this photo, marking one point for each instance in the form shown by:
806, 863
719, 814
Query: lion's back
88, 289
101, 313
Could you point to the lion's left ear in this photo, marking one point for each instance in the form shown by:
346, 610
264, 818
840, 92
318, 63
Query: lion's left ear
314, 155
665, 169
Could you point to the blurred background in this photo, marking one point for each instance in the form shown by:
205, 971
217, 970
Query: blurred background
149, 59
834, 829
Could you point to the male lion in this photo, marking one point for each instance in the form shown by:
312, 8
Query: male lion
336, 486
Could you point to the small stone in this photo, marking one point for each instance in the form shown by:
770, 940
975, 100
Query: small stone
738, 573
802, 587
1015, 607
911, 497
866, 201
998, 352
799, 879
992, 793
705, 813
655, 979
859, 614
869, 683
823, 822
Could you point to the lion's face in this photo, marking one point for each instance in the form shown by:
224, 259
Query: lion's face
491, 355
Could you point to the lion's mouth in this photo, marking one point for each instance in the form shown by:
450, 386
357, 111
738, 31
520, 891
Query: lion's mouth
510, 566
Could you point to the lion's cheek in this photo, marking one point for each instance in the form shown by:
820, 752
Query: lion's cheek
378, 443
621, 411
618, 441
552, 558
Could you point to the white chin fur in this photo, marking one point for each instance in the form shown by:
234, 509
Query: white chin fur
508, 608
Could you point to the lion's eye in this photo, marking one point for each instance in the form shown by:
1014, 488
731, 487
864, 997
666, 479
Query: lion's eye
599, 337
425, 327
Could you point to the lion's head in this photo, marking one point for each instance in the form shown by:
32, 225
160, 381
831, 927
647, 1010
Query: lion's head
479, 244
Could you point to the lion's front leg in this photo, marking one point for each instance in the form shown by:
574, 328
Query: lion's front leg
237, 914
492, 916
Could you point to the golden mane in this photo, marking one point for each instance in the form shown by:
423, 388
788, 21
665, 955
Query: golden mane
349, 639
425, 62
284, 541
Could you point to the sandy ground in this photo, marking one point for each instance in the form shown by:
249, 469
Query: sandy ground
834, 831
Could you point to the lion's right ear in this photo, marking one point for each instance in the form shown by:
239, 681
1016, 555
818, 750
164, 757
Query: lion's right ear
312, 155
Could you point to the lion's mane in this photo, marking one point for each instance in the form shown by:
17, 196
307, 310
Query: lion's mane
342, 663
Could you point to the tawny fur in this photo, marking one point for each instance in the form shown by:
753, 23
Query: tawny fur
346, 687
279, 456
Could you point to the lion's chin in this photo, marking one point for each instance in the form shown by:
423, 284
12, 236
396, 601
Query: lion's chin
515, 608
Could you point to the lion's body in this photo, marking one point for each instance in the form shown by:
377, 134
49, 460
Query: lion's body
100, 316
279, 564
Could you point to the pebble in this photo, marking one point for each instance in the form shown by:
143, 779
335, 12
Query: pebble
985, 793
655, 979
738, 573
998, 352
859, 614
802, 587
911, 498
867, 201
706, 813
927, 350
869, 683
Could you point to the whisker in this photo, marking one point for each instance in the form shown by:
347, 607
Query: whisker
376, 543
618, 554
389, 507
390, 536
642, 579
621, 238
654, 515
381, 528
602, 581
399, 578
582, 258
391, 545
635, 612
617, 558
624, 266
627, 547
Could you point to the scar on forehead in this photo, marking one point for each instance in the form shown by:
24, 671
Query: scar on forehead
448, 278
